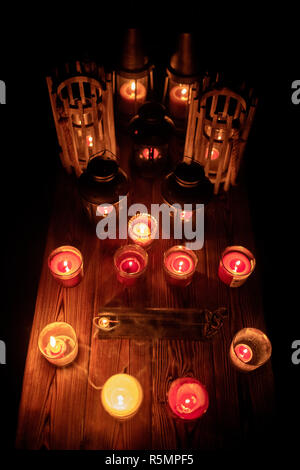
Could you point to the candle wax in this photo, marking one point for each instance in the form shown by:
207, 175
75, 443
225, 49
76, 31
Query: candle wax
130, 265
131, 93
188, 398
243, 352
178, 101
179, 263
237, 263
65, 262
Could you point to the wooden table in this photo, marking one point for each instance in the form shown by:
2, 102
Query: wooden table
60, 409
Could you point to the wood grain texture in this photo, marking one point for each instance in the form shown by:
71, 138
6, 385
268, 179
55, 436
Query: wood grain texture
61, 408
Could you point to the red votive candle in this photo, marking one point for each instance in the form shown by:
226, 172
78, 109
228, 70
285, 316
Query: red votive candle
188, 398
180, 265
66, 265
130, 262
236, 265
243, 352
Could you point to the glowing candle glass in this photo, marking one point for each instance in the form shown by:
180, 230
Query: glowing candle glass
66, 265
58, 343
130, 262
188, 398
178, 101
122, 396
249, 349
236, 265
142, 229
180, 265
132, 94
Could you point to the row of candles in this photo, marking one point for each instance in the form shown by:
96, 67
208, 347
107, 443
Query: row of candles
122, 394
130, 261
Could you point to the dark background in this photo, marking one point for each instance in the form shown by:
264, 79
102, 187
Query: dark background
258, 51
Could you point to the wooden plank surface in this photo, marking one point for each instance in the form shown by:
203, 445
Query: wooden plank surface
61, 408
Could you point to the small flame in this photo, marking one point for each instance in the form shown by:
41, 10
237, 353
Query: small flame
67, 269
132, 86
52, 341
90, 141
120, 400
184, 91
238, 262
180, 265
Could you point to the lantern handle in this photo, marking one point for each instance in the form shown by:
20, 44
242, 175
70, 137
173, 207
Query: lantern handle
103, 152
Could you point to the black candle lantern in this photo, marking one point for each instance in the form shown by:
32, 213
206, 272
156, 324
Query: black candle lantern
134, 77
151, 130
102, 186
182, 76
186, 185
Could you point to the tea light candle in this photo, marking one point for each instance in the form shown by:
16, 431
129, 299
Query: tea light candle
142, 229
58, 343
66, 265
178, 101
249, 349
132, 92
188, 398
180, 265
130, 262
122, 396
236, 265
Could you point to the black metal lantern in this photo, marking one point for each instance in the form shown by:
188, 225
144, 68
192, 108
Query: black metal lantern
186, 185
182, 75
102, 186
151, 130
134, 77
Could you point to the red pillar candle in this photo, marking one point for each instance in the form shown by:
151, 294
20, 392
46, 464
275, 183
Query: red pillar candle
180, 265
66, 265
236, 265
142, 229
178, 101
132, 95
130, 262
188, 398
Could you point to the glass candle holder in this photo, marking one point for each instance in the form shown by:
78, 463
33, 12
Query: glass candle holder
66, 265
250, 349
236, 265
58, 343
142, 229
188, 398
180, 265
130, 262
122, 396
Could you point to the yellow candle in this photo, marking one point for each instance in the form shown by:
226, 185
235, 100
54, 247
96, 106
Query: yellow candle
122, 396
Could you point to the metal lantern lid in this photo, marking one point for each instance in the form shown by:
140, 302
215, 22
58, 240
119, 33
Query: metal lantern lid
103, 181
183, 63
151, 126
187, 184
133, 58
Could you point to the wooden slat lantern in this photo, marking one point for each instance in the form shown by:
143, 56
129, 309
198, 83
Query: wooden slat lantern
182, 76
218, 127
134, 77
82, 104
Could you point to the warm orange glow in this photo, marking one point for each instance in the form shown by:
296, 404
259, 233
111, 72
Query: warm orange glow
90, 141
141, 230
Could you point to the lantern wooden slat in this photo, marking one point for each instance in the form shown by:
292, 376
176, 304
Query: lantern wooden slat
221, 125
82, 104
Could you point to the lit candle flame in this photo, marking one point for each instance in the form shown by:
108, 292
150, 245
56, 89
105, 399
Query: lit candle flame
67, 269
52, 342
132, 86
120, 400
184, 91
237, 263
180, 265
90, 141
